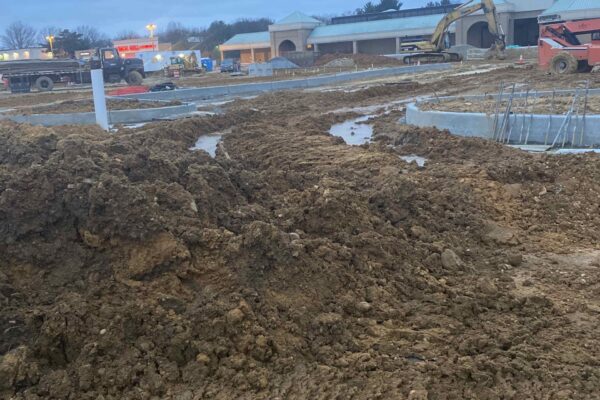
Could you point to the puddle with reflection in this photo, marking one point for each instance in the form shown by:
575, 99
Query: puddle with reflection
420, 161
208, 143
353, 131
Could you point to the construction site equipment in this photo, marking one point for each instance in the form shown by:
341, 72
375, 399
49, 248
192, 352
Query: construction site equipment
435, 49
183, 64
561, 51
43, 74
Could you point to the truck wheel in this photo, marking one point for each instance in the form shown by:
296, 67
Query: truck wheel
134, 78
44, 84
564, 63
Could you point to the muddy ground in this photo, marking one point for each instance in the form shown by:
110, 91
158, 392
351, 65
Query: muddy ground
82, 106
525, 105
293, 266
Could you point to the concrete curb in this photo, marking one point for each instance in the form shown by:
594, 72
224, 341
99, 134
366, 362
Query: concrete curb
540, 129
195, 94
115, 117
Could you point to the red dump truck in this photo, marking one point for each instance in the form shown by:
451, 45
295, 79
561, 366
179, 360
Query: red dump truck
42, 75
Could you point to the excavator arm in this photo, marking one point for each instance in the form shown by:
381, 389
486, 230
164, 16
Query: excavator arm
489, 9
434, 50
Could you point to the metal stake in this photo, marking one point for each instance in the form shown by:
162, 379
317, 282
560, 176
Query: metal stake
531, 117
497, 109
585, 107
550, 117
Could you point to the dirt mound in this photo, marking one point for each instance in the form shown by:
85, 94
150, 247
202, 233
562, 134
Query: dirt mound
361, 60
289, 266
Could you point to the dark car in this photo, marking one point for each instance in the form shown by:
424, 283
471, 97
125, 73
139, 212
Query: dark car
230, 65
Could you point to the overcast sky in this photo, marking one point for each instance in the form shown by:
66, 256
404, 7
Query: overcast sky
112, 16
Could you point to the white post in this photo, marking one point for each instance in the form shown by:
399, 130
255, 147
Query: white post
99, 98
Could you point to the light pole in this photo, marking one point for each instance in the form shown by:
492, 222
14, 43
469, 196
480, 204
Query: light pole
50, 39
151, 28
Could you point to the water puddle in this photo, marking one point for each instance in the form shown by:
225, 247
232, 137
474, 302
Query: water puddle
354, 132
576, 151
208, 143
420, 161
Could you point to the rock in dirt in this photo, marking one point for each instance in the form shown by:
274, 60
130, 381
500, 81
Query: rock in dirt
499, 234
418, 395
516, 260
450, 260
364, 307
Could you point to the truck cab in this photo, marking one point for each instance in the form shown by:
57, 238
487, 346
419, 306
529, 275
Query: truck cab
116, 68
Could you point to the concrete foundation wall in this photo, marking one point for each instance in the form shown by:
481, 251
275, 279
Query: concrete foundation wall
257, 88
543, 129
115, 117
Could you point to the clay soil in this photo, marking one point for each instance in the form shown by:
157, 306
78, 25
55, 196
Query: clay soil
293, 266
541, 105
361, 60
81, 106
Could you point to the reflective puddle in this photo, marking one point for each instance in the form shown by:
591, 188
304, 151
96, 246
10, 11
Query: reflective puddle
354, 132
420, 161
208, 143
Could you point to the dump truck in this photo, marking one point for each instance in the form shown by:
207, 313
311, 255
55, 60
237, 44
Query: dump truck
44, 74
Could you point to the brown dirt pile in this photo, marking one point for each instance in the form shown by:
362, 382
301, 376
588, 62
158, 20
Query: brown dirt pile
361, 60
291, 266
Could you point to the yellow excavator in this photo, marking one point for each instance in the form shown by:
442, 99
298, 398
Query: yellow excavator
435, 49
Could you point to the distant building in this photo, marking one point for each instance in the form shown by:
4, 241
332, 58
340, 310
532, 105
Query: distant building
384, 33
34, 53
129, 47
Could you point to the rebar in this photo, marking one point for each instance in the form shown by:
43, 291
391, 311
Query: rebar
506, 118
524, 112
497, 109
550, 117
531, 116
566, 120
585, 107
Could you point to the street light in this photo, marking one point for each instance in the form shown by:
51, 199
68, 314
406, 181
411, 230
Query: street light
50, 39
151, 28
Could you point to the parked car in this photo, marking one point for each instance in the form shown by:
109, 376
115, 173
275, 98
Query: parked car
230, 65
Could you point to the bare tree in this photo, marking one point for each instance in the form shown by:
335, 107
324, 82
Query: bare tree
93, 36
19, 36
123, 35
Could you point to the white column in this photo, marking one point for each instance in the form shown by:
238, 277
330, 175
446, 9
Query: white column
99, 99
398, 44
252, 54
355, 47
316, 47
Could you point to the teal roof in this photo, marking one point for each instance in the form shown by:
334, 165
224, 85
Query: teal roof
572, 5
397, 25
298, 18
249, 38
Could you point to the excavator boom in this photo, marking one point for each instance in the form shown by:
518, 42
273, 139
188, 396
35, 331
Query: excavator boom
437, 42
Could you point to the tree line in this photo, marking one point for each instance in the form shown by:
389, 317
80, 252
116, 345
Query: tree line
66, 42
19, 35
